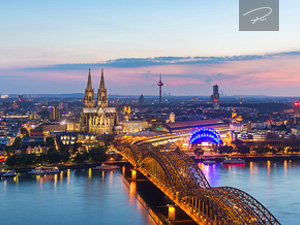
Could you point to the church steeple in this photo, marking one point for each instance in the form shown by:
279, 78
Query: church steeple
102, 84
102, 100
89, 97
89, 83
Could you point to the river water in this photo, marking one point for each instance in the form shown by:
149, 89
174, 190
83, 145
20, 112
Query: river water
276, 184
96, 197
84, 197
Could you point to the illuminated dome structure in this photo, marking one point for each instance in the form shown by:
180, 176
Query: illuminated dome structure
205, 138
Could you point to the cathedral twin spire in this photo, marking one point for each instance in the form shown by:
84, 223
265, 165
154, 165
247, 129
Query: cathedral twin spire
89, 84
89, 98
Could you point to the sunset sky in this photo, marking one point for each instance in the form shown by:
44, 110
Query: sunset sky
48, 47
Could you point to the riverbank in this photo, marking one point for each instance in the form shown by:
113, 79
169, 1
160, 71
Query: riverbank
63, 166
247, 158
217, 158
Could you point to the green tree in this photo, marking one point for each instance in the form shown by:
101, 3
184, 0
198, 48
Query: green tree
97, 154
224, 149
24, 132
244, 149
42, 158
280, 149
56, 157
27, 159
81, 157
64, 157
262, 150
11, 160
76, 146
17, 143
108, 139
51, 150
198, 152
50, 141
294, 150
21, 160
9, 150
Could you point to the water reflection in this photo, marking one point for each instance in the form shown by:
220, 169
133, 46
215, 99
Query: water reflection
83, 197
55, 180
96, 197
285, 166
274, 183
132, 188
111, 177
229, 168
16, 179
68, 175
90, 172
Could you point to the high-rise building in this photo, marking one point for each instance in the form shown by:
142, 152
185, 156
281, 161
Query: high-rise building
141, 99
20, 98
97, 118
215, 97
54, 113
14, 105
160, 84
296, 111
172, 117
60, 105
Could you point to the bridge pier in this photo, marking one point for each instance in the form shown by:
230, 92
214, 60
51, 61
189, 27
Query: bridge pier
123, 170
171, 212
133, 174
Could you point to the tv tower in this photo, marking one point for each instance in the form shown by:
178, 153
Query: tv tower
160, 84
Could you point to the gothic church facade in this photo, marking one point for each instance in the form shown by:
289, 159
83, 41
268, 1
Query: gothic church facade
96, 117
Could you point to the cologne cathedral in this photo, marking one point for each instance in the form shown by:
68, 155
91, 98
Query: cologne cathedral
96, 117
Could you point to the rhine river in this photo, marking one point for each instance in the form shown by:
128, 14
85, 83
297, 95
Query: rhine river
105, 198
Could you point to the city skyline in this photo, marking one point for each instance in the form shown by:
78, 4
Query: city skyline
149, 112
47, 47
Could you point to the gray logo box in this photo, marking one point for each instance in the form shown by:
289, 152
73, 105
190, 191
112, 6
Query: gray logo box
259, 15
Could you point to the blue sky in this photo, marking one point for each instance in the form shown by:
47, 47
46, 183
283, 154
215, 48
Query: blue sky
44, 34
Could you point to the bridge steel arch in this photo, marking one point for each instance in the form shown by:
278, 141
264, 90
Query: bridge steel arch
175, 166
178, 176
262, 213
130, 154
195, 170
156, 167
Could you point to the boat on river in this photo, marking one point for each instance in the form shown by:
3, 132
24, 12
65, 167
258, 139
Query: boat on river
209, 162
44, 170
234, 161
106, 167
8, 173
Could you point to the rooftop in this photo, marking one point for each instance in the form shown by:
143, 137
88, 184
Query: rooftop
198, 123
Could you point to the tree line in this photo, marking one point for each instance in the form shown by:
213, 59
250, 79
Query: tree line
96, 154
